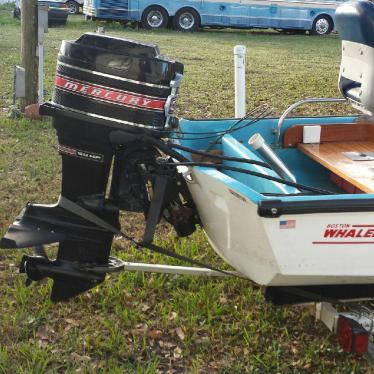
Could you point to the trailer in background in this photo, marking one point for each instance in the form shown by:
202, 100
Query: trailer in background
188, 15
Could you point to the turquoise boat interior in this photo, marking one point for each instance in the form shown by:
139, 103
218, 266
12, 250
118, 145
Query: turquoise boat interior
197, 134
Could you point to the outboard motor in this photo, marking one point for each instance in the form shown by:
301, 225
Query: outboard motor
113, 101
355, 23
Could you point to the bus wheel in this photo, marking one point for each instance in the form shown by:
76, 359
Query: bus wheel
186, 20
322, 25
155, 17
73, 7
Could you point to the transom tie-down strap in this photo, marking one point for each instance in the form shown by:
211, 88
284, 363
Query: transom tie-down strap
76, 209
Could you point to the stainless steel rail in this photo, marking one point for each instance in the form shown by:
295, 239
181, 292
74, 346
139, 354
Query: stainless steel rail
296, 105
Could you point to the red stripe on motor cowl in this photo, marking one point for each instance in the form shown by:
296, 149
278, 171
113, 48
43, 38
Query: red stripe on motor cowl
108, 94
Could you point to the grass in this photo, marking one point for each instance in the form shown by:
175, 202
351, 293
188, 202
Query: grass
139, 323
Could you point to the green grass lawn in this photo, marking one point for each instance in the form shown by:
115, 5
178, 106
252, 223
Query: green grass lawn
155, 323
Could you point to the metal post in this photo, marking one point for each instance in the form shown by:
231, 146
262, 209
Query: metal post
240, 93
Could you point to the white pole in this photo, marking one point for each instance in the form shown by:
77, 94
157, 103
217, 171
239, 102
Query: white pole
41, 73
42, 28
41, 64
240, 94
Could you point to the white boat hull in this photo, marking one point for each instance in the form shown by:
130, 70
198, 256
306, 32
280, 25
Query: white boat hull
302, 249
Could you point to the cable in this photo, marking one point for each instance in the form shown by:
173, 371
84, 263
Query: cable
254, 173
218, 157
223, 133
212, 134
247, 115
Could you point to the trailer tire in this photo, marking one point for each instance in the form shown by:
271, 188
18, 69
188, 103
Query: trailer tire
187, 20
154, 18
322, 25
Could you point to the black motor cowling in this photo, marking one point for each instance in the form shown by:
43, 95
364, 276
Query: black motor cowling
105, 87
125, 84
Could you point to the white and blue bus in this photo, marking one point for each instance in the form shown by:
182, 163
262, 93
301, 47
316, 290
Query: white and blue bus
317, 16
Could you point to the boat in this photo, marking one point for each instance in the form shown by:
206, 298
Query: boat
288, 202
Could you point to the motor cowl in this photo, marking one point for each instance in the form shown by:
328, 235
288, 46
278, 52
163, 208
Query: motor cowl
123, 83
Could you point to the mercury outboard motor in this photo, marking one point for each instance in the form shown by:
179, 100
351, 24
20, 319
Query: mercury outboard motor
113, 100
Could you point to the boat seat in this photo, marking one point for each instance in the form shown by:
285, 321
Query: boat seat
335, 141
232, 147
355, 23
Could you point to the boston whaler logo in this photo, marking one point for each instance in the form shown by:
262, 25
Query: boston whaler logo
344, 233
107, 94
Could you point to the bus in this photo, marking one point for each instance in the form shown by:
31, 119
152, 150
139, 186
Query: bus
316, 16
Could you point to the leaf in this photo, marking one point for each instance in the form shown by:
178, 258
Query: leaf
145, 307
71, 321
294, 350
44, 333
177, 353
155, 334
180, 333
78, 358
137, 332
173, 315
223, 300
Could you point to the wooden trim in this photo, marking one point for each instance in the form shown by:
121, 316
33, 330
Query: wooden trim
362, 131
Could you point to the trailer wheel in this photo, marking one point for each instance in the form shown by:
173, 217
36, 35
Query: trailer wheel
186, 20
155, 17
322, 25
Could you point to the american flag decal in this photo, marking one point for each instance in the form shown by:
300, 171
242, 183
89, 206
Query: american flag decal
289, 224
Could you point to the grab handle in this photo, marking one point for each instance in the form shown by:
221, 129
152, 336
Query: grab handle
296, 105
